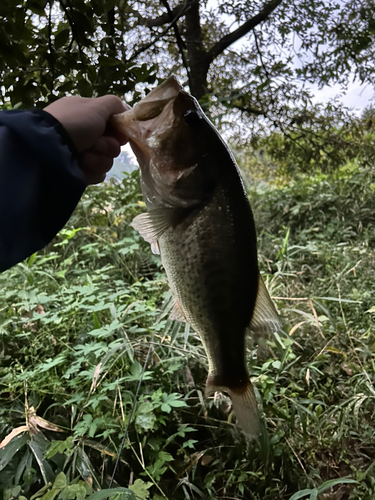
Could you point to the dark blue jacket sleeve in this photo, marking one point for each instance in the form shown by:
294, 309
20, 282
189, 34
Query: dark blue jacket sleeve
40, 182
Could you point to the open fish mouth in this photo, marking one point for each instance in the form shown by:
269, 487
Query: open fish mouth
154, 113
163, 133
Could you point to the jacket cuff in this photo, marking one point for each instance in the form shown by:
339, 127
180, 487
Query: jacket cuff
53, 122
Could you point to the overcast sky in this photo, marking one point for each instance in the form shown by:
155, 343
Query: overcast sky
357, 96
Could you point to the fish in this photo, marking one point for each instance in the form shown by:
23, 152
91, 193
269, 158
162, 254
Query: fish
200, 221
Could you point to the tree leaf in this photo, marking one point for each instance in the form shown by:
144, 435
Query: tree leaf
74, 491
24, 463
51, 494
60, 481
140, 488
38, 445
314, 494
41, 422
61, 38
13, 434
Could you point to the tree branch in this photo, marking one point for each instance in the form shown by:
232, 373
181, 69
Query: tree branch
69, 17
180, 43
186, 6
248, 110
236, 101
231, 38
164, 18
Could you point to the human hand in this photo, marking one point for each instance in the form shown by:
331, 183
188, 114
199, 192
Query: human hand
86, 120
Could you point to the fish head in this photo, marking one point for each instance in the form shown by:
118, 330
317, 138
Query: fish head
167, 132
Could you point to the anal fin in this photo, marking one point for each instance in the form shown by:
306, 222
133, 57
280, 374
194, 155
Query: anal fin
177, 314
265, 318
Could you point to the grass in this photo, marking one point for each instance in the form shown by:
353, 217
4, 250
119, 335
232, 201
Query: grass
75, 326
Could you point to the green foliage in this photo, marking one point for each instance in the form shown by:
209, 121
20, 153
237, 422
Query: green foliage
75, 325
53, 48
118, 493
313, 493
317, 139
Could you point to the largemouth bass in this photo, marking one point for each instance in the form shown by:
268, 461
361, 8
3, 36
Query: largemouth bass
200, 221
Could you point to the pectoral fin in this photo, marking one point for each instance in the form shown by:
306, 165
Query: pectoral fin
152, 225
265, 318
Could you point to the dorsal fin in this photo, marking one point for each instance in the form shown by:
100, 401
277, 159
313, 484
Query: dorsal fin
265, 318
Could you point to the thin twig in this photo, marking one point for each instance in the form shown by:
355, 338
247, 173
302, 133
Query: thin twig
180, 43
146, 471
121, 404
316, 318
50, 47
297, 457
289, 298
145, 47
277, 123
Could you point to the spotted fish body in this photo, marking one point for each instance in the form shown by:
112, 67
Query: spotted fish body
200, 221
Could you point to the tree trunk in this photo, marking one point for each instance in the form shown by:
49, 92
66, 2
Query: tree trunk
196, 55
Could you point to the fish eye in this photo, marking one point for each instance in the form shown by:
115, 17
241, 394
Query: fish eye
192, 118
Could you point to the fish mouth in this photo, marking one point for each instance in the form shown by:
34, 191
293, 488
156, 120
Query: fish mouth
152, 118
153, 113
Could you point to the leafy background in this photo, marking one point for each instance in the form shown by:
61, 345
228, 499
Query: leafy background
77, 318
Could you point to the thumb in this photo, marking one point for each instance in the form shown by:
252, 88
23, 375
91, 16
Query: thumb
109, 105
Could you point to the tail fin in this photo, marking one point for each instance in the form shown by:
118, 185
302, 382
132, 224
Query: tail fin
244, 405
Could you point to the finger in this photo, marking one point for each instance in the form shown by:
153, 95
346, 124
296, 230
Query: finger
95, 166
111, 105
107, 146
113, 131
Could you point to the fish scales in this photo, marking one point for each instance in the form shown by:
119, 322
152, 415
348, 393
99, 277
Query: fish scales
209, 278
200, 221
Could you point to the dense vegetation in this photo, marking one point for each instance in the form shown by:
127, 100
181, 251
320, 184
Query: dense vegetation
76, 322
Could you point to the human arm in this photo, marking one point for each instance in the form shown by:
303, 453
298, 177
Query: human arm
45, 167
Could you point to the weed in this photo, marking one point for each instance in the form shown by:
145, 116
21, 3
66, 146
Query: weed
75, 325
